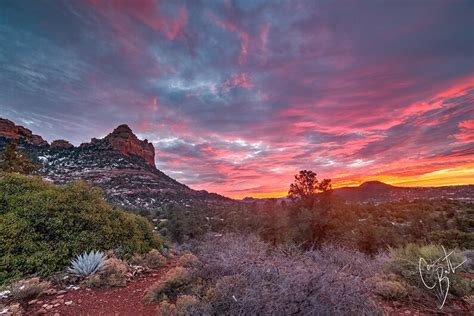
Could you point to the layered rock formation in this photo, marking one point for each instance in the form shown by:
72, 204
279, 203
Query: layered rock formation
61, 143
9, 130
123, 140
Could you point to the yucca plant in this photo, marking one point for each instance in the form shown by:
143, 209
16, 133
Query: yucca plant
87, 263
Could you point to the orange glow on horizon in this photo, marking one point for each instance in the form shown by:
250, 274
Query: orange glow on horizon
463, 175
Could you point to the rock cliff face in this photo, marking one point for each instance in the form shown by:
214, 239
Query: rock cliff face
9, 130
121, 164
61, 143
123, 140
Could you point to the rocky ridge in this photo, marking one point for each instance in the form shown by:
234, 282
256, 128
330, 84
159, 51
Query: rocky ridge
121, 164
9, 130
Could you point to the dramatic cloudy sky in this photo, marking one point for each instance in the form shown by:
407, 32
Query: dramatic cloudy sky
237, 96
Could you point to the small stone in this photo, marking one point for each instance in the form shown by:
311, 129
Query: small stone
49, 307
56, 305
51, 292
60, 296
57, 314
39, 302
32, 302
68, 303
62, 292
41, 311
79, 301
44, 305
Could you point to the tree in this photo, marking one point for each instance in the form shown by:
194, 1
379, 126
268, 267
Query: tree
309, 214
307, 185
13, 161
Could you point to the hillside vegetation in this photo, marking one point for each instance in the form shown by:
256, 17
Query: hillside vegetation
43, 226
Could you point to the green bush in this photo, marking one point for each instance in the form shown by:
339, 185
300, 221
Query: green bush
43, 226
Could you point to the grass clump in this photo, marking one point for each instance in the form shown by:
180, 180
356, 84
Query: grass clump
154, 259
27, 289
174, 282
185, 305
188, 260
390, 289
112, 274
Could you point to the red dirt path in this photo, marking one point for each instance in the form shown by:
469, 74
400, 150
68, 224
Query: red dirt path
125, 301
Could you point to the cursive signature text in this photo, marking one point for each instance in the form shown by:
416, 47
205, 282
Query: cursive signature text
439, 272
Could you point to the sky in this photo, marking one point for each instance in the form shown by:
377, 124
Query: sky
238, 96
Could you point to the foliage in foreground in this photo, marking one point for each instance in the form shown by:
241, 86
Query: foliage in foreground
405, 262
112, 273
43, 226
241, 275
87, 263
27, 289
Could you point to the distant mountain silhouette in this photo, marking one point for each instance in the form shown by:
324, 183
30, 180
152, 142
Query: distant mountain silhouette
376, 185
377, 191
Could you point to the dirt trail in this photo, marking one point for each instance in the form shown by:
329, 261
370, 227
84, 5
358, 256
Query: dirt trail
110, 301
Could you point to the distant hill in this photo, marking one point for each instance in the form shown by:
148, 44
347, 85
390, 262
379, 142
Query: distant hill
377, 191
376, 185
120, 163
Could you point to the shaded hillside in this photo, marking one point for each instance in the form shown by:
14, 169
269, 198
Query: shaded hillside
119, 163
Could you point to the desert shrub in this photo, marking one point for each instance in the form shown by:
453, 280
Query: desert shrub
390, 289
347, 260
27, 289
405, 261
174, 282
453, 238
43, 226
167, 308
137, 260
87, 263
112, 273
469, 265
241, 275
185, 305
154, 259
188, 260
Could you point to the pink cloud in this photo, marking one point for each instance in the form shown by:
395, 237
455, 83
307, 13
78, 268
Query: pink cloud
241, 80
243, 36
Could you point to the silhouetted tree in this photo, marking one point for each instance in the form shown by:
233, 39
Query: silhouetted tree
309, 213
13, 161
307, 185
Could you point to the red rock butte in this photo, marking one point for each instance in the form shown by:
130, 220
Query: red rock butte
9, 130
125, 141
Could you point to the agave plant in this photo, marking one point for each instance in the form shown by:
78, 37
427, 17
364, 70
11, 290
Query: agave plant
87, 263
